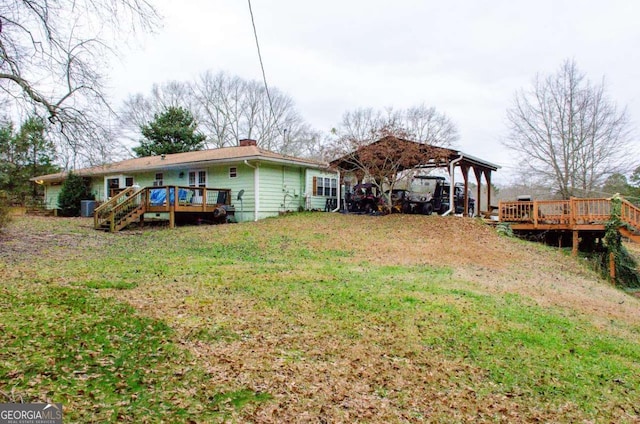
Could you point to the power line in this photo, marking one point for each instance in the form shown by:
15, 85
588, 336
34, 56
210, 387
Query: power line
264, 75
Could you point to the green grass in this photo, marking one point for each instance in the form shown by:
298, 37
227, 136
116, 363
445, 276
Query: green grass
69, 346
66, 337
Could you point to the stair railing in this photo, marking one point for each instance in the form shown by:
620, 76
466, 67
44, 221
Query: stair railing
630, 214
102, 213
123, 210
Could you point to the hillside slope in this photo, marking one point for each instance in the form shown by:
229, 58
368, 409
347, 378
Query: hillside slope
316, 318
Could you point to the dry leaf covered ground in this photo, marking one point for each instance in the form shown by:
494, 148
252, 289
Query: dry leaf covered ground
334, 318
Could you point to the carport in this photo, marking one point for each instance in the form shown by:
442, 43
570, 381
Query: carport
407, 154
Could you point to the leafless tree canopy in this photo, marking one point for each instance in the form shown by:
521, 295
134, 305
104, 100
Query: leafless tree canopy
52, 54
568, 133
228, 109
418, 123
368, 140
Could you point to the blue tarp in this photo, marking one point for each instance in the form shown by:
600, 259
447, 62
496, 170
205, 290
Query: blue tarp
159, 196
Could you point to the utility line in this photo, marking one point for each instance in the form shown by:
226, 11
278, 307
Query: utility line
264, 75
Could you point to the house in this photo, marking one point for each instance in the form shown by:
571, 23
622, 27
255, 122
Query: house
259, 183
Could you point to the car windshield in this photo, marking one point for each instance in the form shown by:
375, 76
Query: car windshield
423, 185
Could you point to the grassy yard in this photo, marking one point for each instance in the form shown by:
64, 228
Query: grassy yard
311, 318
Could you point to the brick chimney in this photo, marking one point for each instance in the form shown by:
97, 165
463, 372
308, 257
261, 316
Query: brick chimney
248, 142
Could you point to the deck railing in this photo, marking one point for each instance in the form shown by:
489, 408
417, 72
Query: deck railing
165, 197
591, 211
553, 212
516, 211
567, 213
128, 205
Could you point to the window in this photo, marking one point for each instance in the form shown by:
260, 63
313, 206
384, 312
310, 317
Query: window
159, 180
233, 172
197, 178
113, 183
128, 181
113, 186
327, 187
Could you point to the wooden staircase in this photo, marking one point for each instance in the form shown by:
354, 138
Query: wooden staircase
121, 210
630, 216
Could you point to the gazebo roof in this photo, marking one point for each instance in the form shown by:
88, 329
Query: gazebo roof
436, 157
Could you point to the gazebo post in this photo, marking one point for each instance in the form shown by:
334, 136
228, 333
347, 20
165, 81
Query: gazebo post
478, 173
487, 174
465, 176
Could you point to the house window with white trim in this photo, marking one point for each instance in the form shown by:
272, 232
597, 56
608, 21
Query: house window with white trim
233, 172
159, 179
326, 187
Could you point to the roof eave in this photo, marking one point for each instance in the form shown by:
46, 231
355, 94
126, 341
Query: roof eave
93, 172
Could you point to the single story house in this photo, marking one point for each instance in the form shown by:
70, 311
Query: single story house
261, 183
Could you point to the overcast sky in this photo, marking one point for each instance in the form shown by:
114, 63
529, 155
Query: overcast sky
467, 58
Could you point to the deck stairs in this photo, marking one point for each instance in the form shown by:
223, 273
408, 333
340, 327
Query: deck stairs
121, 210
630, 217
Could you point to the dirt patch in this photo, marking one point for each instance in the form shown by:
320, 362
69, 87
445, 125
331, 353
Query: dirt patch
30, 236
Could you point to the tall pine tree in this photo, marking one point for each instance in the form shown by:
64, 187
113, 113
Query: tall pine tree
172, 131
24, 154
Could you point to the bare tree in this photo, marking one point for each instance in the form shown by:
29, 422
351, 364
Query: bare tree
220, 104
228, 109
566, 131
139, 110
418, 123
51, 59
231, 108
427, 125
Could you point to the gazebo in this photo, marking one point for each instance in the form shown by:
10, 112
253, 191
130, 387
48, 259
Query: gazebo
407, 154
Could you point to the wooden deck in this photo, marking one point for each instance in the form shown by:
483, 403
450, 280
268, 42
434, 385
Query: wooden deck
575, 215
130, 205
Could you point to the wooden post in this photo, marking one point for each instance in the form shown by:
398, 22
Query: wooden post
574, 246
612, 268
478, 174
487, 176
465, 177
